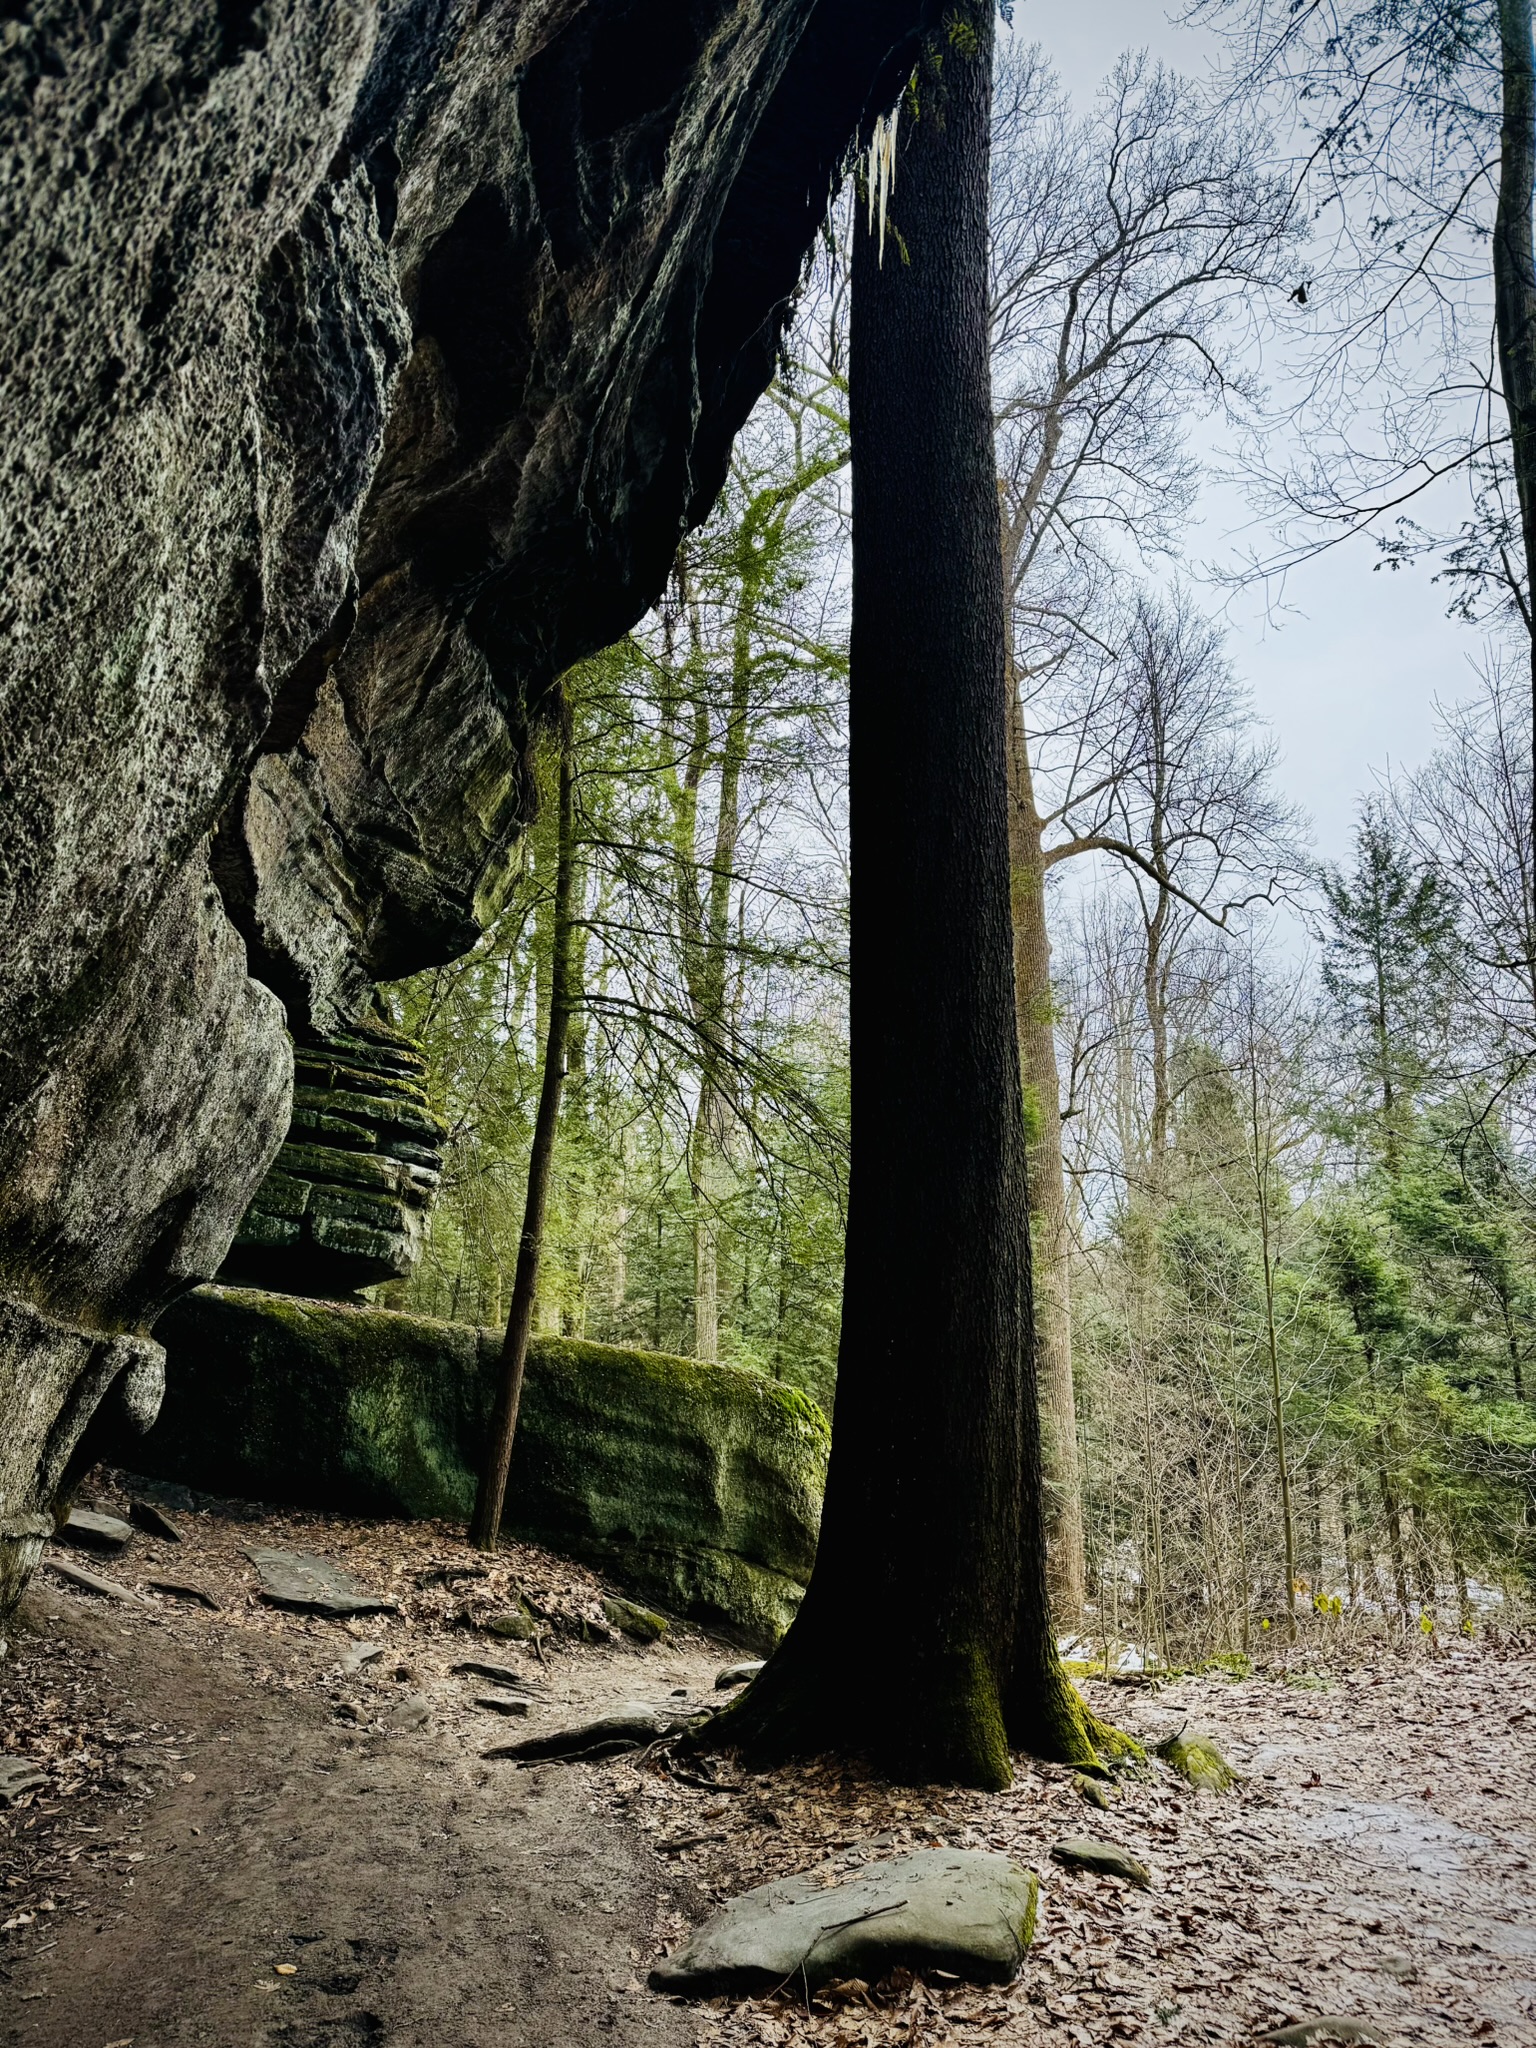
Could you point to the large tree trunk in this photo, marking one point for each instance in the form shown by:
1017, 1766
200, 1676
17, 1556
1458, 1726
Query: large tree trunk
491, 1493
924, 1640
1514, 285
1051, 1244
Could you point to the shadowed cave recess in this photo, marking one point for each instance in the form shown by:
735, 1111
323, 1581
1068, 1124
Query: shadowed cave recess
363, 364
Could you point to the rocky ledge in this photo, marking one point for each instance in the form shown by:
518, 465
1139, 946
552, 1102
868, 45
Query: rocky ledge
363, 362
346, 1200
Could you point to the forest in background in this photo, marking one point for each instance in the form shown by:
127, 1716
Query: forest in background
1280, 1115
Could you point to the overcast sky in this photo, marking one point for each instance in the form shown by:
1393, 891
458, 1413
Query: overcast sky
1348, 672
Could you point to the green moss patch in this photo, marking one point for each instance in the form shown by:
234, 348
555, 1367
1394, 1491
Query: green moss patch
697, 1485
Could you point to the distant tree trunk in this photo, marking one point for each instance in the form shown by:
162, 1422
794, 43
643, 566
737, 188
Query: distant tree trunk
1347, 1524
1514, 285
1065, 1548
709, 981
1392, 1513
1154, 993
924, 1640
1277, 1396
485, 1526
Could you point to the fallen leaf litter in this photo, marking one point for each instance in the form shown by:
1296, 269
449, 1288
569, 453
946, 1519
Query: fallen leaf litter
1323, 1883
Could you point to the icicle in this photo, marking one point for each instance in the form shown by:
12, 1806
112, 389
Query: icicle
881, 177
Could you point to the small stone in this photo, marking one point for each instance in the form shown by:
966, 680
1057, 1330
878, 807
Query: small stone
360, 1654
498, 1674
517, 1625
1108, 1859
1197, 1759
1402, 1967
184, 1589
146, 1516
1091, 1790
638, 1623
494, 1705
313, 1585
412, 1712
736, 1674
970, 1912
88, 1531
18, 1777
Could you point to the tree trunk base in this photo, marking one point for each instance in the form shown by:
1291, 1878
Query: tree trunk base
938, 1722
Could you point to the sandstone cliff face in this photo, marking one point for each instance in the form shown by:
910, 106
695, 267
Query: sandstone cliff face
363, 360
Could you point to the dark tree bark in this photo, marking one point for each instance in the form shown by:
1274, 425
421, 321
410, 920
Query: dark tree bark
491, 1493
924, 1640
1514, 287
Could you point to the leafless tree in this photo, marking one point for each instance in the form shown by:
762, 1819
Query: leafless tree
1128, 246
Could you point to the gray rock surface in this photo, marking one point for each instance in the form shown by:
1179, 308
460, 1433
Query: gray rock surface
89, 1531
346, 1201
153, 1521
362, 364
93, 1582
17, 1776
184, 1589
1108, 1859
966, 1911
313, 1585
737, 1674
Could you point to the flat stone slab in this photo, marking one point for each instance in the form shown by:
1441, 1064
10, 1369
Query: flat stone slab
968, 1911
1108, 1859
313, 1585
184, 1589
91, 1582
90, 1531
153, 1521
736, 1674
17, 1777
498, 1674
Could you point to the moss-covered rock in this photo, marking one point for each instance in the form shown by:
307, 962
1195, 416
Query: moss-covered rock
697, 1485
1198, 1759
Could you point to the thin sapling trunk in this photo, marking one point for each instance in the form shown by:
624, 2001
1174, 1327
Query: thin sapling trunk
491, 1494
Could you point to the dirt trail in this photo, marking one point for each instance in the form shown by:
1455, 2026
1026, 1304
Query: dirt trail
410, 1892
242, 1845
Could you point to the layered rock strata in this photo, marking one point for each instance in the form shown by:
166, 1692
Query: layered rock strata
363, 361
345, 1203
